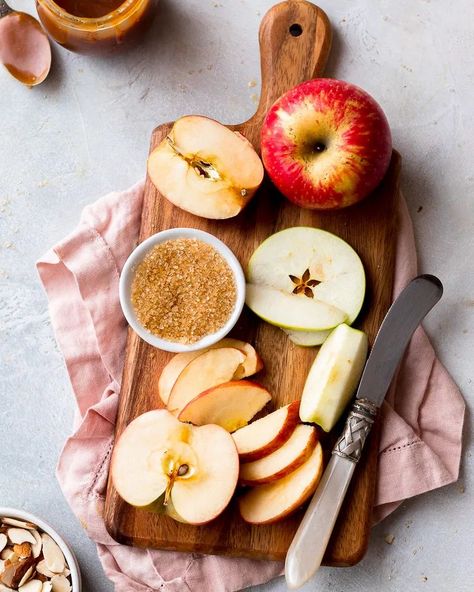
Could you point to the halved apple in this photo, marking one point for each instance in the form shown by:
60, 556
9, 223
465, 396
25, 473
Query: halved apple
163, 465
205, 168
269, 503
310, 264
211, 368
284, 309
230, 405
251, 365
334, 376
292, 454
265, 435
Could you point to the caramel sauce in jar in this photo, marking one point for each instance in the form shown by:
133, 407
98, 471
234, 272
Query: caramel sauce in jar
95, 26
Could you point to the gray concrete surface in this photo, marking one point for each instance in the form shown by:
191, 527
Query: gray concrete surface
86, 132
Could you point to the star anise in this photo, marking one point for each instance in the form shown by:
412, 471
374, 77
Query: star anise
304, 284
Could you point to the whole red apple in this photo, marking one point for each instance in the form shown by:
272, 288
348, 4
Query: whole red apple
326, 144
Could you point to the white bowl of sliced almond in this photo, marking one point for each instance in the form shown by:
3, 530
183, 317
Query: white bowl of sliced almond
33, 557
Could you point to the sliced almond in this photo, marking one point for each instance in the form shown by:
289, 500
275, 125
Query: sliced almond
61, 584
53, 555
19, 523
17, 572
8, 553
4, 588
23, 551
20, 535
32, 586
43, 569
66, 572
3, 541
2, 566
41, 577
26, 576
47, 587
36, 548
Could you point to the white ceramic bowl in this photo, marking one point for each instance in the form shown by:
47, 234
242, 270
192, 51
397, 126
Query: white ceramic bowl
138, 255
44, 526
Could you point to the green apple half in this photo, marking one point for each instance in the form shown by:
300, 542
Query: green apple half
336, 282
334, 376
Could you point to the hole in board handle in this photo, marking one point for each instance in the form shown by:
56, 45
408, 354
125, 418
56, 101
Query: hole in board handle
295, 30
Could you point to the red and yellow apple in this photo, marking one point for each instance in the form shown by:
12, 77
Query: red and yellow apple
286, 459
326, 144
230, 405
274, 501
251, 365
162, 465
263, 436
211, 368
205, 168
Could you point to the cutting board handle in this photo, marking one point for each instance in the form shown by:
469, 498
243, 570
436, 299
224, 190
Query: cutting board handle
295, 39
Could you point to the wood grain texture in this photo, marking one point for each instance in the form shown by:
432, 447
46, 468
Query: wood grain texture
369, 227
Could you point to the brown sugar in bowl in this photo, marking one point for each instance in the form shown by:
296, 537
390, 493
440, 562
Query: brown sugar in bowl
182, 290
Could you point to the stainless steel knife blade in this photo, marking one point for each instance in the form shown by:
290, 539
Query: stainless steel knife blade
401, 320
406, 313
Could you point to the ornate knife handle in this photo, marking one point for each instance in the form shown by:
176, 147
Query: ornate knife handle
358, 425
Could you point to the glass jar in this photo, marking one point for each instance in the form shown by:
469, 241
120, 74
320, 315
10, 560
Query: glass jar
127, 21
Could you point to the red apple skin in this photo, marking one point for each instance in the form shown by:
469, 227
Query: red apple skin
312, 442
282, 436
326, 144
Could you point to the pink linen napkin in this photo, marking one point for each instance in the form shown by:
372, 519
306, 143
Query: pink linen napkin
420, 446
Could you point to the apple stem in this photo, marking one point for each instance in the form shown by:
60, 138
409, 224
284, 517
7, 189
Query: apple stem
169, 487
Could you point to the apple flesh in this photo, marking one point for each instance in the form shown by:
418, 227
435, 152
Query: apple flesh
274, 501
265, 435
205, 168
162, 464
326, 144
230, 405
308, 338
290, 310
211, 368
251, 365
333, 377
292, 454
318, 265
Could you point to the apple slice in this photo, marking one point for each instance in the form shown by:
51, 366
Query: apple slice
318, 266
230, 405
211, 368
205, 168
291, 455
308, 338
251, 365
292, 310
334, 376
163, 465
265, 435
273, 501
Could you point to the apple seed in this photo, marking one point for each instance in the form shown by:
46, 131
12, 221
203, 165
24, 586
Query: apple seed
183, 469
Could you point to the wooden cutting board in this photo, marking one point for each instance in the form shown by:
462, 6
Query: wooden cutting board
295, 39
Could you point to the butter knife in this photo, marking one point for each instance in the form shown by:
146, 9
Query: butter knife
311, 539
